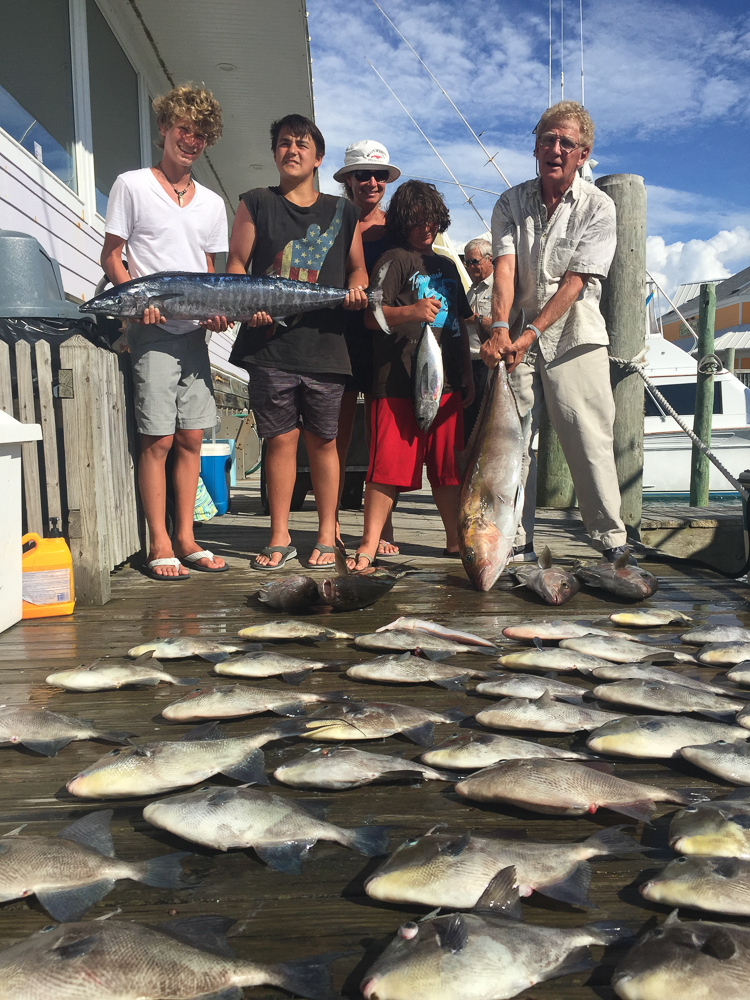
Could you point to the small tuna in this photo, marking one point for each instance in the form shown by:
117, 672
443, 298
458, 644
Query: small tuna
427, 378
291, 594
618, 578
553, 584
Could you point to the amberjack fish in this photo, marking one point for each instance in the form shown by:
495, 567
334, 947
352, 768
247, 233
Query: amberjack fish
184, 295
492, 494
427, 378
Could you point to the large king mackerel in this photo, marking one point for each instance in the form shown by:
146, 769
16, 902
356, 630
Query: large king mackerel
427, 378
492, 494
184, 295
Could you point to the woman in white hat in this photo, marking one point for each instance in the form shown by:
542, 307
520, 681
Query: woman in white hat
365, 173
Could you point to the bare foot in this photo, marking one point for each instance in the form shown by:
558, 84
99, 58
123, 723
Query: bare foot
318, 558
263, 560
360, 562
216, 563
387, 547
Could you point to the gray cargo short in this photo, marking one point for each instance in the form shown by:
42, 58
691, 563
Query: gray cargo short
171, 380
281, 400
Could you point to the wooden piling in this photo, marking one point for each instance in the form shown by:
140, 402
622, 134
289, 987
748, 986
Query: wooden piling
704, 397
623, 306
554, 486
29, 451
85, 466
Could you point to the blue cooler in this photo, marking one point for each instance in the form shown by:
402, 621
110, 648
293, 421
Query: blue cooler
216, 462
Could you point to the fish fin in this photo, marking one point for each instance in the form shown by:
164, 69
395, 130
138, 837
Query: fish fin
578, 960
456, 715
76, 948
622, 561
339, 562
453, 683
206, 731
455, 848
230, 993
501, 895
738, 794
185, 681
147, 682
16, 830
69, 905
452, 933
49, 748
288, 727
423, 735
640, 809
728, 867
215, 657
691, 796
544, 701
403, 775
284, 857
296, 676
720, 944
316, 807
375, 298
435, 655
573, 699
147, 657
718, 716
308, 977
209, 933
545, 558
612, 840
165, 872
574, 888
114, 736
536, 641
250, 770
371, 841
92, 831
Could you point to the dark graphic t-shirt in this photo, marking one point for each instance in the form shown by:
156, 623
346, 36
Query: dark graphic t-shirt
413, 276
306, 244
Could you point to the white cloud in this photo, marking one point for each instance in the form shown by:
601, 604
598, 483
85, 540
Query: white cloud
719, 257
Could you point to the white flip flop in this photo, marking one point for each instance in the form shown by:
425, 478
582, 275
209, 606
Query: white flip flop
168, 561
191, 561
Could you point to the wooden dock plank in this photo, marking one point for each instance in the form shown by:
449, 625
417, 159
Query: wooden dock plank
325, 908
32, 489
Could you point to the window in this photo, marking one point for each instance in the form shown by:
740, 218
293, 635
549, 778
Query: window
114, 106
36, 90
681, 397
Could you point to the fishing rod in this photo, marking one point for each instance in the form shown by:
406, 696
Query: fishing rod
440, 180
490, 159
432, 147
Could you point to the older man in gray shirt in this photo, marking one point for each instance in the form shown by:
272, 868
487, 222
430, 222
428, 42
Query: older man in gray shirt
553, 240
478, 261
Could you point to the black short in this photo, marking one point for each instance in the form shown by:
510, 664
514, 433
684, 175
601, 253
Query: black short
359, 344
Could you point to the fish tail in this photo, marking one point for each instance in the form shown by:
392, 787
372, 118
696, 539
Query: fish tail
114, 736
608, 931
613, 841
164, 872
305, 977
368, 840
376, 304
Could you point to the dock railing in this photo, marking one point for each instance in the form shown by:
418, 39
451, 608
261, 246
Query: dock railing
83, 470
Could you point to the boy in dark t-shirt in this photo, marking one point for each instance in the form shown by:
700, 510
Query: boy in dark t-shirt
297, 372
419, 287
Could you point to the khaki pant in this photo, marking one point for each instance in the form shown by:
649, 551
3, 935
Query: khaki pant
578, 394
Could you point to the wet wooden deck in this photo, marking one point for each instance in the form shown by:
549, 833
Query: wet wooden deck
325, 909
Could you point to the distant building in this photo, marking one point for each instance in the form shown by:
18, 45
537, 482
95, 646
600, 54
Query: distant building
732, 326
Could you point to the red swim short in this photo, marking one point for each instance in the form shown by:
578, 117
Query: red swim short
398, 449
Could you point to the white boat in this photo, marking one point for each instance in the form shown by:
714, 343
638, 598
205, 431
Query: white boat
666, 448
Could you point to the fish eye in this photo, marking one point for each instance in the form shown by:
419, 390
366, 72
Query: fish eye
690, 809
469, 556
49, 927
408, 931
681, 861
411, 842
722, 743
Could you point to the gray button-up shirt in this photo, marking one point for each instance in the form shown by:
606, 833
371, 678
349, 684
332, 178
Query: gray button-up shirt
581, 236
479, 297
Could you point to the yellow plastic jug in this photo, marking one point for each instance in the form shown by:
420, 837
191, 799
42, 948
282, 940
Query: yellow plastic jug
47, 575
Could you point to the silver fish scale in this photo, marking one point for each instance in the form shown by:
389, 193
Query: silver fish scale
197, 296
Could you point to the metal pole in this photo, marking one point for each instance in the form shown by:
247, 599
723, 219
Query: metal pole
704, 396
623, 306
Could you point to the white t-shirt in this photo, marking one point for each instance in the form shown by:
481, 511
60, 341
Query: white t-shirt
160, 235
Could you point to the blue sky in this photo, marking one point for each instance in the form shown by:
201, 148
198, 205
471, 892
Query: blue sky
667, 83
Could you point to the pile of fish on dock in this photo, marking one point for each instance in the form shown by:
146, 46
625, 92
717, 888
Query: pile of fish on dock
635, 699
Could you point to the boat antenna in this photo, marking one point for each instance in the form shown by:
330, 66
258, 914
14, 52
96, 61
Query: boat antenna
580, 5
549, 79
490, 159
562, 50
426, 139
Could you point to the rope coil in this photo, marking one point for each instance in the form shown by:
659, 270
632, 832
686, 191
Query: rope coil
637, 365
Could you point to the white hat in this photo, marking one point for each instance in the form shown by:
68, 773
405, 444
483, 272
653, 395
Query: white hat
363, 154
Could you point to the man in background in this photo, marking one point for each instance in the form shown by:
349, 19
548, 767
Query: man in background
478, 261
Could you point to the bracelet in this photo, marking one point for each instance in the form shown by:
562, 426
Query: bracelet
530, 326
502, 325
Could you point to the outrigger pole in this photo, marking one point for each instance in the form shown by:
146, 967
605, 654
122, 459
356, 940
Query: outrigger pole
490, 159
432, 147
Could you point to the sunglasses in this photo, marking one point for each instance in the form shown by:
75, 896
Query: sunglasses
365, 175
548, 140
473, 261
